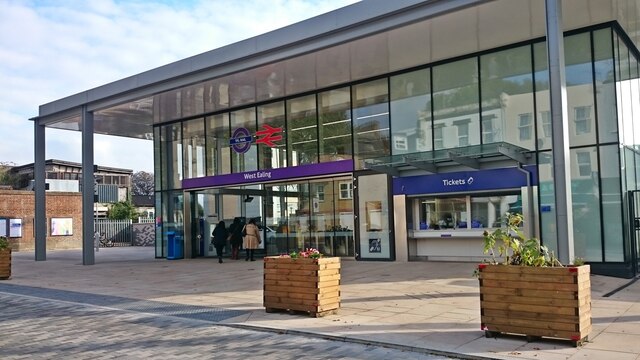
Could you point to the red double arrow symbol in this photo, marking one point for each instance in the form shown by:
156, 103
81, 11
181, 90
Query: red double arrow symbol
269, 135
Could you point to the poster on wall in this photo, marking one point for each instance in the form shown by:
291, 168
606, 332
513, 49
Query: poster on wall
375, 245
61, 226
3, 227
15, 227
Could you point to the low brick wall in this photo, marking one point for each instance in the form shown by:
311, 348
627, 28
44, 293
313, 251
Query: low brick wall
17, 204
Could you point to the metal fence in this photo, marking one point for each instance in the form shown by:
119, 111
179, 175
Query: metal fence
119, 232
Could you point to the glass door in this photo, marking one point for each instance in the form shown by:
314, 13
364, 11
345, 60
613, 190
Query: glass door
375, 237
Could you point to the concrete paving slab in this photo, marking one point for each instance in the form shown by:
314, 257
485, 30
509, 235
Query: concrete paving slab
426, 305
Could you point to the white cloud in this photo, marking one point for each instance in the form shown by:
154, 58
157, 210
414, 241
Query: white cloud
52, 49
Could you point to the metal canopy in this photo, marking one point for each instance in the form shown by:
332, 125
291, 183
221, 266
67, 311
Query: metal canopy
474, 156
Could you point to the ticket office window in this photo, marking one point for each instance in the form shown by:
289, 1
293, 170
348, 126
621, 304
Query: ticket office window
466, 212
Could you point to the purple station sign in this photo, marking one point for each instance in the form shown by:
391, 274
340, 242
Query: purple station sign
257, 176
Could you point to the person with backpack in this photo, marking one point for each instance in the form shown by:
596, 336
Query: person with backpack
235, 238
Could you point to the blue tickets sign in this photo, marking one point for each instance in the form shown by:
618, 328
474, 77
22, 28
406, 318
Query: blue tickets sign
465, 181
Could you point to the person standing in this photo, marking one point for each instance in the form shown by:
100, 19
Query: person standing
251, 238
235, 238
219, 239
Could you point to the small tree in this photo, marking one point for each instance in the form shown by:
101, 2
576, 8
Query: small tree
6, 176
122, 210
142, 183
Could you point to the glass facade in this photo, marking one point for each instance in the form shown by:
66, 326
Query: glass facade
291, 117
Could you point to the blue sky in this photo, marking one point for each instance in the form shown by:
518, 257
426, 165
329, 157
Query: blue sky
50, 49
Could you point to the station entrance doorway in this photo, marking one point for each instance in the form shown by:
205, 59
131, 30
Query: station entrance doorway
292, 216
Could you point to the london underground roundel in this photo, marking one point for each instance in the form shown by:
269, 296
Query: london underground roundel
241, 140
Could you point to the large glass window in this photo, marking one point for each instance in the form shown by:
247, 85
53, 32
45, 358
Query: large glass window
371, 120
302, 130
467, 212
490, 211
455, 102
579, 77
611, 203
270, 81
218, 149
546, 191
507, 96
543, 108
194, 155
586, 204
334, 111
605, 85
171, 152
244, 122
242, 88
270, 136
411, 112
443, 213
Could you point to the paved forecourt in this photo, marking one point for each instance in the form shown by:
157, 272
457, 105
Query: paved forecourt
418, 306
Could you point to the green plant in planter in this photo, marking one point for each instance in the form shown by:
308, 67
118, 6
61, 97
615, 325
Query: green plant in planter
510, 243
4, 243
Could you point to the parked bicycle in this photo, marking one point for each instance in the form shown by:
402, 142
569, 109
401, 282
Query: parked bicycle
106, 242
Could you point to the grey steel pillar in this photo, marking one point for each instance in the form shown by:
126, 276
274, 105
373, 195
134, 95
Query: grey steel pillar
560, 131
40, 216
88, 255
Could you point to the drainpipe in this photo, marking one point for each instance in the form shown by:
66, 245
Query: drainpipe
528, 222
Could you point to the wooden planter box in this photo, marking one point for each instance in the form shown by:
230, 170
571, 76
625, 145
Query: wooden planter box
536, 301
303, 284
5, 264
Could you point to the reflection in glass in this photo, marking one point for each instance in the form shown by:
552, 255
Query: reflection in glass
300, 74
373, 219
242, 88
332, 66
193, 139
411, 112
247, 161
543, 109
334, 111
586, 204
302, 130
455, 104
369, 56
605, 89
270, 136
443, 213
371, 120
546, 191
507, 97
171, 153
270, 81
218, 149
579, 77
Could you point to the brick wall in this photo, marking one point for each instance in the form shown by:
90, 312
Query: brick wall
21, 205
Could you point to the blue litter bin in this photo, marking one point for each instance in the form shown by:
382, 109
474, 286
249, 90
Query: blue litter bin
175, 248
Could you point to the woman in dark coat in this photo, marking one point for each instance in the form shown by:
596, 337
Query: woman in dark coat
219, 239
235, 231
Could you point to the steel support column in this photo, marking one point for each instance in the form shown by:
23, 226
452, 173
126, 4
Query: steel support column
560, 131
40, 215
88, 184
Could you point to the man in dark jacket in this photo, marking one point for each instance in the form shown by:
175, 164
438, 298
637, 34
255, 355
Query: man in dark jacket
219, 239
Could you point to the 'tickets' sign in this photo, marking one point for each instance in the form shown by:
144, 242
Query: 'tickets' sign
493, 179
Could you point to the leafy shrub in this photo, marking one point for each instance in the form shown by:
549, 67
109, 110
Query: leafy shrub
4, 243
510, 244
